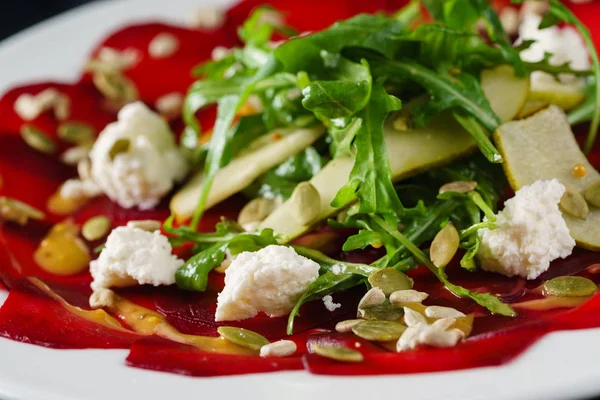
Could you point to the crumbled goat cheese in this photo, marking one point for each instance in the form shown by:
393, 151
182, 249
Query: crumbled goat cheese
564, 43
530, 233
270, 280
147, 170
134, 256
329, 304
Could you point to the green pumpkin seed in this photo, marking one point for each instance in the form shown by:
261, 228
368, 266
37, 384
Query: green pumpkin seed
307, 203
256, 210
95, 228
592, 194
120, 146
459, 187
444, 246
382, 312
572, 202
379, 331
116, 87
17, 211
37, 140
338, 353
570, 286
243, 337
76, 133
390, 280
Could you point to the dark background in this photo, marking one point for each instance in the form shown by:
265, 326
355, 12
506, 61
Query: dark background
19, 14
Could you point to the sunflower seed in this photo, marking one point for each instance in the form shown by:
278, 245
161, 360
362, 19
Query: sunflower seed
149, 225
390, 280
256, 210
402, 297
243, 337
17, 211
338, 353
412, 317
444, 246
170, 105
570, 286
37, 140
163, 45
282, 348
372, 297
459, 187
592, 194
75, 155
62, 107
95, 228
382, 312
574, 203
116, 87
76, 133
346, 326
379, 331
443, 312
207, 18
118, 147
102, 298
84, 169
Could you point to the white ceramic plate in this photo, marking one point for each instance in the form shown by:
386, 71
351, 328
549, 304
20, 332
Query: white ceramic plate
562, 365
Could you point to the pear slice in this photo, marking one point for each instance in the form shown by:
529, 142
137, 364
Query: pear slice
545, 89
245, 169
503, 79
531, 107
543, 147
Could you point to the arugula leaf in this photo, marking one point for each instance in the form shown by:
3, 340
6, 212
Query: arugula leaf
585, 111
409, 14
343, 132
370, 179
260, 26
363, 239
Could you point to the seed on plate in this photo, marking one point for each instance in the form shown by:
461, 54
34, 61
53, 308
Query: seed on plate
282, 348
170, 105
62, 107
27, 107
96, 228
592, 194
570, 286
444, 246
84, 169
17, 211
346, 326
116, 87
412, 317
37, 140
306, 202
149, 225
243, 337
402, 297
443, 312
220, 52
120, 146
256, 210
379, 331
372, 297
207, 18
75, 155
390, 280
337, 353
573, 203
76, 133
110, 60
163, 45
459, 187
102, 298
382, 312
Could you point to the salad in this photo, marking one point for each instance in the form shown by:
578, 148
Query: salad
385, 188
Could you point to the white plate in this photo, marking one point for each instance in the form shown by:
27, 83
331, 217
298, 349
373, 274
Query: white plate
562, 365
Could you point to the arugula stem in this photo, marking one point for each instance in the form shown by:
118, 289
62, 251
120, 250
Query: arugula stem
591, 138
480, 136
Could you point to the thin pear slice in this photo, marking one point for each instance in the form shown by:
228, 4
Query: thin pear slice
543, 147
546, 89
503, 79
531, 107
244, 170
409, 152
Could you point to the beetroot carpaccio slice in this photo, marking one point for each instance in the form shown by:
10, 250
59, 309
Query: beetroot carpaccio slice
34, 316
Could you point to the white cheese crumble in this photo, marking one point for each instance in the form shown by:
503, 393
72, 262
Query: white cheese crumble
134, 256
530, 233
163, 45
148, 169
329, 304
270, 280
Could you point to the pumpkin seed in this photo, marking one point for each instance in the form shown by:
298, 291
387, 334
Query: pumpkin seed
120, 146
592, 194
306, 202
346, 326
149, 225
390, 280
379, 331
243, 337
37, 140
256, 210
115, 86
76, 132
402, 297
17, 211
338, 353
570, 286
95, 228
373, 296
74, 155
382, 312
459, 187
444, 246
574, 203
